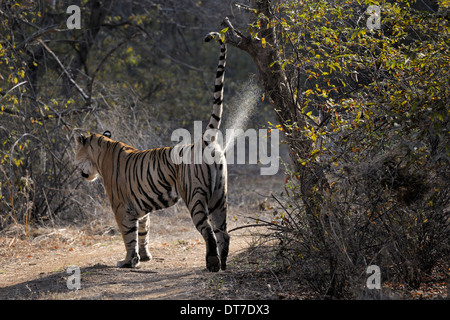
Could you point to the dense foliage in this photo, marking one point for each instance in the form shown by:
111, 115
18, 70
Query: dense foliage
371, 105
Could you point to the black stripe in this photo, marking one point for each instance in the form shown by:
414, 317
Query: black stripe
136, 198
218, 204
153, 205
98, 159
132, 229
202, 220
156, 191
218, 87
136, 181
220, 73
117, 169
152, 185
132, 243
163, 181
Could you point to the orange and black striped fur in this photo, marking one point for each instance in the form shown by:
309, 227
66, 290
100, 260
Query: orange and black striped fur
139, 182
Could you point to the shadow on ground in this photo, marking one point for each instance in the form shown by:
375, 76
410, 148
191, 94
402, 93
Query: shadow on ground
106, 282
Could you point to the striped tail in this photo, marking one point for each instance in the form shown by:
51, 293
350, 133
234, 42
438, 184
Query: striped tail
214, 121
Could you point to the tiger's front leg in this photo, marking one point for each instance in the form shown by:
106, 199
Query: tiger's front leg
143, 237
128, 225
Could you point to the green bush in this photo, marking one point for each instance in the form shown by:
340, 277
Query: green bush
373, 186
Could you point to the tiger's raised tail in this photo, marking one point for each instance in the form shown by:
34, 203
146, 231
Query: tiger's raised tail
216, 115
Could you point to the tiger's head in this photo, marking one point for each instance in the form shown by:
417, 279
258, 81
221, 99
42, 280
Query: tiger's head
86, 154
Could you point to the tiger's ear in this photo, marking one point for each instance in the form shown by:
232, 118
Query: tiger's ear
107, 134
80, 138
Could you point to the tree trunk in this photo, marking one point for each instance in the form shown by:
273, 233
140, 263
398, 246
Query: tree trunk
98, 14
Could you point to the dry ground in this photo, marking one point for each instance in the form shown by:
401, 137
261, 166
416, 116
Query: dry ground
34, 260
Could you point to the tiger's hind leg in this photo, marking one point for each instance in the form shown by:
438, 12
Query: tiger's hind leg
200, 218
143, 238
218, 217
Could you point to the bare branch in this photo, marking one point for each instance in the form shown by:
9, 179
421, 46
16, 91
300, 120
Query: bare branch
16, 86
37, 34
66, 73
236, 38
244, 7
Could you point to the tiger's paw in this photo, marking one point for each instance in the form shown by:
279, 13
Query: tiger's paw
133, 263
145, 255
213, 263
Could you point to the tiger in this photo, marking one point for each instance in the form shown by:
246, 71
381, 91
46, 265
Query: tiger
140, 182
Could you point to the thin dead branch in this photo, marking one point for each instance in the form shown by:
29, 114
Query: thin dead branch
66, 73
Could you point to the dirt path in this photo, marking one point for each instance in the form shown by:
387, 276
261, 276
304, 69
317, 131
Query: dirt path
177, 271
